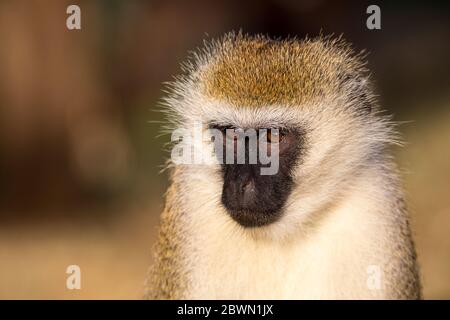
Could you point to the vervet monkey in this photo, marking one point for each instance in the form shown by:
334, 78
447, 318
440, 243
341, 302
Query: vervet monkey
330, 224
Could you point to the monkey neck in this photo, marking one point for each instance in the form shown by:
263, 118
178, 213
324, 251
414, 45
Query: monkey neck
331, 260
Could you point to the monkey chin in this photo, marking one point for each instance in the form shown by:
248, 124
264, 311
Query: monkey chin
254, 219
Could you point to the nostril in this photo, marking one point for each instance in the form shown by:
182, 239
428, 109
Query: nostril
248, 194
248, 186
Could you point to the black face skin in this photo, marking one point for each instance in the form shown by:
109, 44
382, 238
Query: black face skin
255, 200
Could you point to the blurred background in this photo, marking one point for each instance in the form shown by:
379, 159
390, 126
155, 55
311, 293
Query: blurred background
80, 155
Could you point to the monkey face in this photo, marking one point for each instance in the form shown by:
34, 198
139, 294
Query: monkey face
318, 90
251, 198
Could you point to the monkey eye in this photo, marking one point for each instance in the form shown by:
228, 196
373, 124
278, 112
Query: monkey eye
272, 135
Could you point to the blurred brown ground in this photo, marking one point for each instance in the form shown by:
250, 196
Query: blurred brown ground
79, 152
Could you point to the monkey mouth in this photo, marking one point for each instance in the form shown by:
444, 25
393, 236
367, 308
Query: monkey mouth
254, 200
253, 219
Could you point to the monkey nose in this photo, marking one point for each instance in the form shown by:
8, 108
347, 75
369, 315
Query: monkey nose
248, 186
